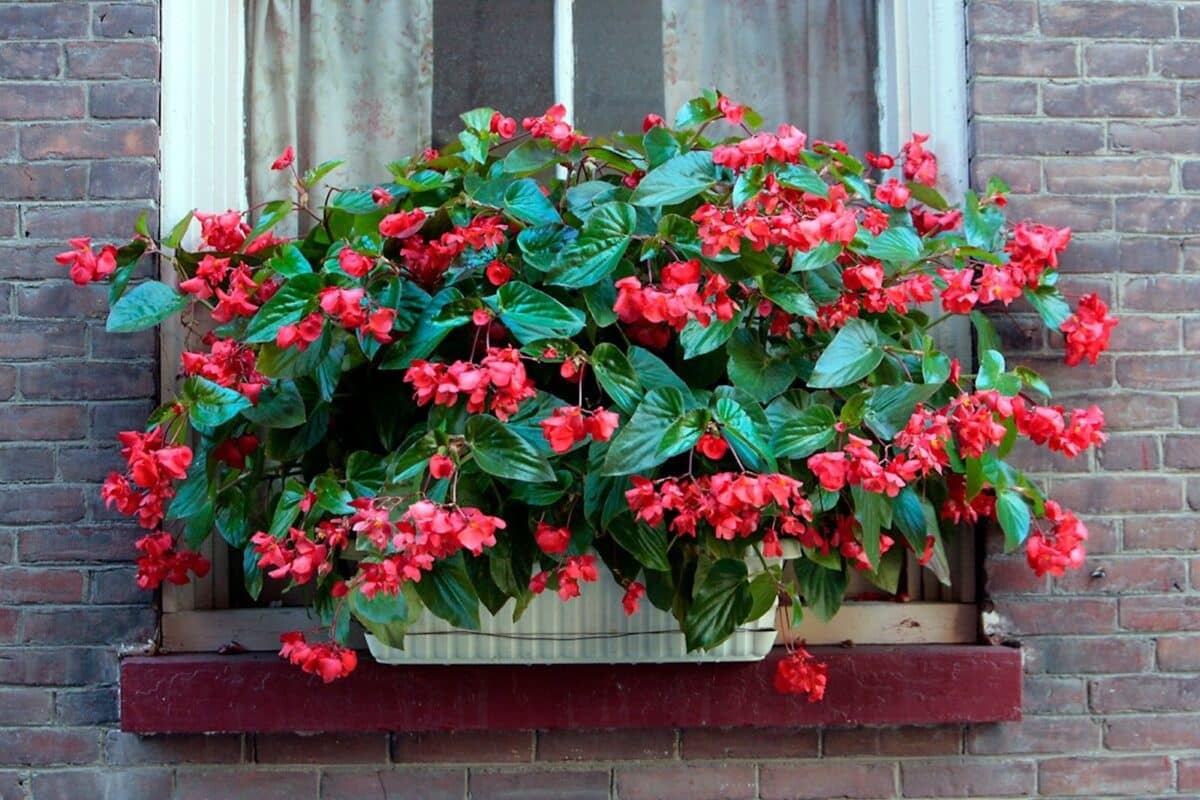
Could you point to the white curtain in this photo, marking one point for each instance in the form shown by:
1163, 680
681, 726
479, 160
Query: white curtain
807, 62
337, 79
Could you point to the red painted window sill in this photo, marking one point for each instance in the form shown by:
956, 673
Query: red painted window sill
920, 684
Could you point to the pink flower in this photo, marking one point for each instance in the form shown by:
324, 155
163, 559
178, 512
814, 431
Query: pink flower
285, 159
634, 592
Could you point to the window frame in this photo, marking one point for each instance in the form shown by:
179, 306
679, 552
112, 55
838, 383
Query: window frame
921, 85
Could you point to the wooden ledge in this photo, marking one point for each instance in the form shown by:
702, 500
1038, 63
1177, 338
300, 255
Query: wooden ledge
868, 685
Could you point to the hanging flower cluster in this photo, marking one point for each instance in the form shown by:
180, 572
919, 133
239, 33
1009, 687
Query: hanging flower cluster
684, 358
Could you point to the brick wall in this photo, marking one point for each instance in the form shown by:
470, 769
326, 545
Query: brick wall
1090, 110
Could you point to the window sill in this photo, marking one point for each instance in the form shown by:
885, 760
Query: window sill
869, 685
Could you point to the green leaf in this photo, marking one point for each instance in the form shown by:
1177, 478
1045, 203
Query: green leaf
366, 473
313, 175
530, 156
381, 609
599, 299
290, 262
682, 434
744, 435
981, 226
786, 293
272, 214
279, 406
478, 119
679, 179
697, 339
209, 404
177, 233
889, 407
127, 259
928, 195
986, 337
595, 254
653, 371
765, 593
474, 145
887, 575
287, 508
720, 603
747, 186
796, 176
531, 314
146, 305
822, 588
819, 256
660, 146
428, 332
1032, 380
1013, 513
331, 495
935, 365
648, 545
501, 452
524, 200
446, 591
752, 369
894, 244
992, 375
192, 493
852, 355
286, 307
1050, 304
805, 433
874, 513
695, 112
616, 376
636, 445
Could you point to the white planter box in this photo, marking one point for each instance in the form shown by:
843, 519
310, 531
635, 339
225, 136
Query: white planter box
591, 629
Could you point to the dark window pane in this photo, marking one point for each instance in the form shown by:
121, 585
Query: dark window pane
618, 64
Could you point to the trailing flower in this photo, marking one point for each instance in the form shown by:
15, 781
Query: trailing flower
466, 386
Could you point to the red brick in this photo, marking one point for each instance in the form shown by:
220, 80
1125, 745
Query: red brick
1008, 576
114, 586
41, 747
1078, 213
1125, 574
8, 383
701, 782
1022, 175
13, 785
94, 706
42, 20
124, 99
29, 60
1038, 138
1145, 334
110, 626
1096, 776
1009, 98
9, 621
1032, 59
38, 504
79, 543
130, 749
1146, 254
1144, 693
1107, 175
1119, 99
1161, 294
466, 747
118, 180
1166, 614
258, 784
723, 743
65, 380
1068, 382
1179, 653
142, 345
60, 666
110, 221
1010, 17
75, 784
1129, 410
1163, 373
42, 181
907, 741
25, 706
1059, 615
30, 101
967, 778
20, 464
27, 340
1153, 137
1116, 59
1153, 733
124, 20
89, 140
1052, 695
62, 299
572, 785
20, 585
112, 59
365, 748
1110, 493
779, 781
1107, 19
1189, 773
585, 745
1130, 452
1073, 655
1035, 735
1182, 451
394, 784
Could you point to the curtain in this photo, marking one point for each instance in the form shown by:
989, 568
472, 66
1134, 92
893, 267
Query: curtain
807, 62
338, 79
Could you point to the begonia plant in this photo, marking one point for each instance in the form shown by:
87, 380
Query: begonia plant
535, 360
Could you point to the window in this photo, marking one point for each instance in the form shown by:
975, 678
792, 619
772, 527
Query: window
524, 55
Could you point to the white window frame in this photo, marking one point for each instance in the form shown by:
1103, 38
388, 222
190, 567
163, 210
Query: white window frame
921, 85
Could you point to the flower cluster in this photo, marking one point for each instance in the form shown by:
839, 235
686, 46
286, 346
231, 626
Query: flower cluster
799, 673
685, 292
553, 126
1060, 549
296, 557
227, 363
565, 579
499, 383
784, 146
85, 265
568, 425
162, 561
329, 660
236, 291
1087, 330
147, 483
732, 504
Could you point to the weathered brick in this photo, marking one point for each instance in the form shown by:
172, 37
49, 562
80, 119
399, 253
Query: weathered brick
783, 781
1108, 175
722, 743
1124, 493
128, 749
590, 745
27, 101
1022, 175
1153, 733
110, 625
25, 706
109, 221
1182, 451
967, 778
394, 784
1178, 59
1146, 334
125, 20
43, 20
1009, 576
8, 386
1144, 693
140, 346
112, 59
1161, 294
13, 785
1059, 615
1038, 138
1034, 735
1166, 614
89, 464
1125, 574
1189, 773
1005, 17
1116, 59
42, 181
1025, 59
40, 504
92, 706
124, 99
1004, 97
1130, 452
114, 586
1162, 373
1151, 137
44, 746
107, 420
1083, 214
1162, 533
20, 464
568, 785
1107, 20
1053, 695
192, 784
77, 544
62, 299
89, 140
66, 380
74, 784
26, 340
906, 741
461, 747
1069, 655
1091, 777
59, 666
20, 585
1117, 99
285, 748
1179, 653
703, 782
29, 59
119, 180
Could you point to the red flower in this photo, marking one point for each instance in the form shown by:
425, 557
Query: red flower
552, 126
354, 263
552, 539
601, 424
634, 592
959, 296
381, 196
920, 165
1060, 550
285, 159
440, 466
505, 126
893, 193
302, 334
224, 232
161, 561
712, 446
880, 160
329, 660
564, 427
652, 121
86, 266
1087, 330
403, 224
733, 112
800, 673
498, 273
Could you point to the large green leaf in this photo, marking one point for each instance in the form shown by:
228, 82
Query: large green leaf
532, 314
797, 176
279, 406
756, 372
290, 262
530, 156
720, 603
381, 609
287, 508
428, 332
804, 433
210, 404
786, 293
447, 591
286, 307
679, 179
894, 244
1050, 304
146, 305
636, 445
916, 518
889, 407
524, 200
648, 545
365, 473
1013, 514
595, 254
653, 371
698, 339
822, 588
874, 513
744, 435
850, 357
501, 452
616, 376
